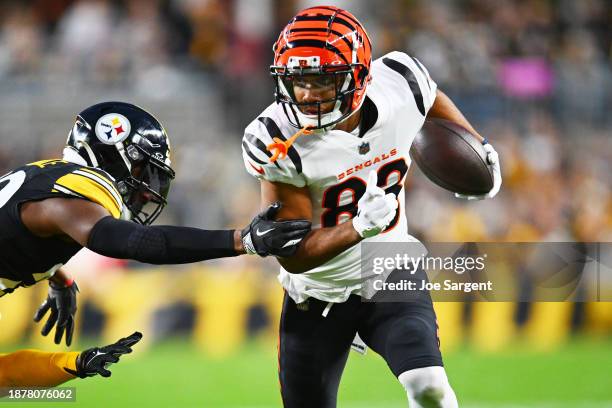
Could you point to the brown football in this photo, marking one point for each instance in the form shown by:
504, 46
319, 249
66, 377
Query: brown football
452, 157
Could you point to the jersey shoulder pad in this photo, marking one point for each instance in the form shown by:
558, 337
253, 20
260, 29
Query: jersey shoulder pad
260, 134
410, 74
91, 184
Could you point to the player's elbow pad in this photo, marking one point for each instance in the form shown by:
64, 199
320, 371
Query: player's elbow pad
158, 244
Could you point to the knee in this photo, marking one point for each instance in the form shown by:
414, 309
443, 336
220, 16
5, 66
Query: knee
427, 386
412, 333
430, 397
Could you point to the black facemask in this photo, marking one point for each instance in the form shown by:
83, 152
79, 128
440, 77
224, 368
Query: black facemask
146, 189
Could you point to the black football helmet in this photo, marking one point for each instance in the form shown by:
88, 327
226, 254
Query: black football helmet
132, 146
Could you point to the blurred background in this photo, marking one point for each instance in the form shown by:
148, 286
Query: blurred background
534, 76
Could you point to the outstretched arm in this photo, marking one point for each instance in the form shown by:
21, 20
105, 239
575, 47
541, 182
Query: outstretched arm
90, 225
33, 368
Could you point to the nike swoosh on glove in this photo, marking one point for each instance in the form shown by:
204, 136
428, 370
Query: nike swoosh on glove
264, 236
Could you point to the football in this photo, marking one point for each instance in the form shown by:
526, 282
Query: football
452, 157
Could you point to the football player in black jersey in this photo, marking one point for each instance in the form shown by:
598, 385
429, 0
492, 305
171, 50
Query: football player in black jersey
111, 184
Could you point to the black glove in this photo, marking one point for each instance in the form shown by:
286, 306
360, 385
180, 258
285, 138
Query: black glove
94, 361
264, 236
63, 305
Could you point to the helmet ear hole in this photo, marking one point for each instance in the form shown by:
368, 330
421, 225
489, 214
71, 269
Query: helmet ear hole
123, 188
133, 153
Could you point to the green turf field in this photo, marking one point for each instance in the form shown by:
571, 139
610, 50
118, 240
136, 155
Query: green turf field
174, 374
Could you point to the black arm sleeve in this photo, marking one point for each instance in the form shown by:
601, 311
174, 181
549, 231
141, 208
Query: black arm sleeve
159, 244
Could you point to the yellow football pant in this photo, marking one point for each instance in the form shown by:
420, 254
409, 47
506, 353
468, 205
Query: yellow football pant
33, 368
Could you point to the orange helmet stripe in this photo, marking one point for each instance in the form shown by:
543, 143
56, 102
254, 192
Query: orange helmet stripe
316, 45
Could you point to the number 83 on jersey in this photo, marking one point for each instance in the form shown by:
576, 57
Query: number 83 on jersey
340, 201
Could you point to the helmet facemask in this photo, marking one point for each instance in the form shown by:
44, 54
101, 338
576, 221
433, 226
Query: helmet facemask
145, 189
336, 82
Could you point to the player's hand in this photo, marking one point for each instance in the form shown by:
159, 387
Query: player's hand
375, 209
95, 360
62, 302
264, 236
493, 162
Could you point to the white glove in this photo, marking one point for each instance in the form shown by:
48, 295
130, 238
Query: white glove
493, 161
375, 210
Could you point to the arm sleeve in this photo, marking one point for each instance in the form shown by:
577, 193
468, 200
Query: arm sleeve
159, 244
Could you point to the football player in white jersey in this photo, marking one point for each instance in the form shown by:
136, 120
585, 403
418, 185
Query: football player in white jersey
348, 162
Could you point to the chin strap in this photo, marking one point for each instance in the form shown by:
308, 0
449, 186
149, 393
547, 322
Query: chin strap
280, 147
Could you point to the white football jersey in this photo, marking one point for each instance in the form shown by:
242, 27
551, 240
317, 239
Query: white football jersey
334, 165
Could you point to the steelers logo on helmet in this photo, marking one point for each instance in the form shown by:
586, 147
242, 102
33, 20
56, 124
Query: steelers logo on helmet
112, 128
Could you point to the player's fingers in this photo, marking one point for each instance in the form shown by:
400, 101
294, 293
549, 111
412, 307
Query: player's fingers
374, 208
59, 333
118, 350
42, 311
50, 323
492, 156
372, 190
388, 208
272, 210
372, 195
130, 340
385, 218
388, 217
104, 372
378, 217
69, 330
112, 358
391, 201
295, 225
62, 317
372, 179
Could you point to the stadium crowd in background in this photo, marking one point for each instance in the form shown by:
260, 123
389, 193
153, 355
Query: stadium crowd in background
533, 75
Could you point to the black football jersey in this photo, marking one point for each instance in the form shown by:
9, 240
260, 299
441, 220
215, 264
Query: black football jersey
24, 257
